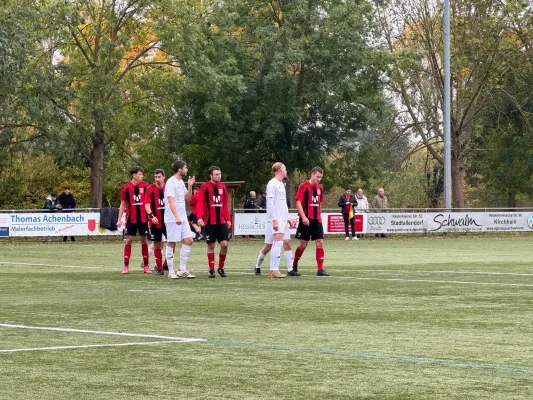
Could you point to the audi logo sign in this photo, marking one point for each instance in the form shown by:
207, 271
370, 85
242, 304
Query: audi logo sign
376, 220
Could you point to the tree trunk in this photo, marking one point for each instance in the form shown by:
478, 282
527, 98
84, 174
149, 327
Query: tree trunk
458, 177
290, 188
97, 165
511, 200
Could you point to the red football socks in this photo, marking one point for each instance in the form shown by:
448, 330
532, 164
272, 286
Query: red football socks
144, 252
320, 258
158, 259
127, 254
211, 261
297, 254
221, 260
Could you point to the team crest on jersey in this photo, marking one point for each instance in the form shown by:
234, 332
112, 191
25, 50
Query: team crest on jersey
141, 190
318, 192
220, 191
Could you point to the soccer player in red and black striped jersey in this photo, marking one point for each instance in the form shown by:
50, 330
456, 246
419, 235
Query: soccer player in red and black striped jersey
212, 211
154, 204
308, 198
132, 202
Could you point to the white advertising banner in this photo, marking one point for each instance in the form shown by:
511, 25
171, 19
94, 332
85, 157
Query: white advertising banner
56, 224
405, 223
255, 223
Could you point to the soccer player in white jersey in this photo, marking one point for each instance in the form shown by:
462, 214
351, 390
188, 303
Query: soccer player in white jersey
176, 219
277, 233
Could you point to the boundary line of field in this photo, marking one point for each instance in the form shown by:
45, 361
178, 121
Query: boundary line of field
90, 346
237, 272
94, 332
172, 339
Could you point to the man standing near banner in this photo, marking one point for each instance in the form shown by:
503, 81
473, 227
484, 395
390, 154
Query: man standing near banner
132, 202
308, 199
347, 203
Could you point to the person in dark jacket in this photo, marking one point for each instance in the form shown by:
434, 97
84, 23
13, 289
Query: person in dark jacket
67, 201
347, 203
251, 204
51, 203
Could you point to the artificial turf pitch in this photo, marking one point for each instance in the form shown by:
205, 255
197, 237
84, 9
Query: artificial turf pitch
400, 318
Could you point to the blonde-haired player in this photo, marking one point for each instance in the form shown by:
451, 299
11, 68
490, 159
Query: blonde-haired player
277, 233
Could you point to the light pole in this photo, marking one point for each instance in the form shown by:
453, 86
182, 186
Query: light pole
447, 110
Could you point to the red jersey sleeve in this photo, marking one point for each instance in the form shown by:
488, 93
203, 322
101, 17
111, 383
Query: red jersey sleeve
226, 204
123, 196
300, 193
200, 203
148, 195
193, 201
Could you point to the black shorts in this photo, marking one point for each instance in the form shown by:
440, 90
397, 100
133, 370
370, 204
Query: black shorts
132, 228
193, 219
218, 232
313, 231
156, 234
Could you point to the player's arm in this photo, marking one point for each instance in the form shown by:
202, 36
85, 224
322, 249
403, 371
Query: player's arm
190, 184
301, 213
151, 215
121, 209
173, 209
226, 207
272, 206
200, 206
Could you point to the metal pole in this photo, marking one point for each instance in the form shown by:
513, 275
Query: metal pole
447, 110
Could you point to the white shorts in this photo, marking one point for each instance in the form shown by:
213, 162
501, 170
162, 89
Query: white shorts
176, 233
283, 227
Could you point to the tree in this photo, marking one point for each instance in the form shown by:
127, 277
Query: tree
413, 31
274, 81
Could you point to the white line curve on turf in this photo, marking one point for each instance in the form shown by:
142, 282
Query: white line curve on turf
139, 335
90, 346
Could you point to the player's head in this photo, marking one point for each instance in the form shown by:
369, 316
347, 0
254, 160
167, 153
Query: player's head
285, 181
159, 176
179, 167
278, 169
137, 174
215, 174
195, 190
316, 175
348, 191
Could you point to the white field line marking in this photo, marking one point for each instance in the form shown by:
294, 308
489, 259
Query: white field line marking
413, 271
416, 271
47, 265
90, 346
399, 280
50, 328
339, 277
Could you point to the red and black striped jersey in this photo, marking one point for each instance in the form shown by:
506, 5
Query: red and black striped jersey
193, 202
134, 195
155, 196
213, 203
311, 196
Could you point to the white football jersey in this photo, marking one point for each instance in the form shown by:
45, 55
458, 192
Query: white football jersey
276, 201
175, 188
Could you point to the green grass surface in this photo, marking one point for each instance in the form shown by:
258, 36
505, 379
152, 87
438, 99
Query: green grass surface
416, 318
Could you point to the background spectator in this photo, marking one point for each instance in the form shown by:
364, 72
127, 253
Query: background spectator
51, 204
362, 205
380, 203
347, 203
67, 201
